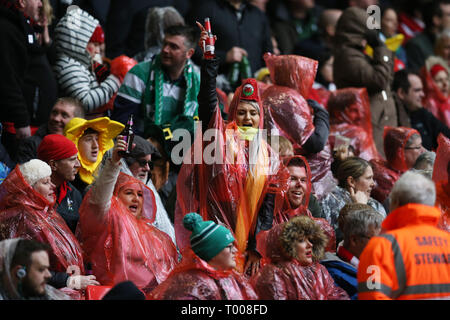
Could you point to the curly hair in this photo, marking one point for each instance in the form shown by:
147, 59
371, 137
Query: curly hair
299, 228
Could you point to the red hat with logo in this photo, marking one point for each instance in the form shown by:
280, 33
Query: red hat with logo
250, 90
98, 35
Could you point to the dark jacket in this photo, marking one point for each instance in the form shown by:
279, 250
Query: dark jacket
423, 121
418, 49
304, 38
251, 33
27, 148
15, 36
41, 88
125, 26
69, 206
353, 68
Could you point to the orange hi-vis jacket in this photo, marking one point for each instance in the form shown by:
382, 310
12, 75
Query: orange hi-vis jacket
410, 260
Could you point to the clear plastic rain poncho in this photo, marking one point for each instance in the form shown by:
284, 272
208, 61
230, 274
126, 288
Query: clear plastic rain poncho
282, 277
386, 173
287, 111
8, 290
435, 101
195, 279
230, 189
350, 117
441, 176
27, 214
123, 247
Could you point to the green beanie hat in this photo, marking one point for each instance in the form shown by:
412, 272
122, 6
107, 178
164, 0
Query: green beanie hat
208, 239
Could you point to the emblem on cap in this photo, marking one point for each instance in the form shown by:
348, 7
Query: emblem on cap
248, 90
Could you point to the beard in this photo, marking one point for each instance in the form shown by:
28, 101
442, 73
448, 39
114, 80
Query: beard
31, 290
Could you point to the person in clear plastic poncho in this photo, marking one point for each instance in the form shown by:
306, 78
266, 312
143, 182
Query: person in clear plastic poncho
116, 229
24, 271
294, 250
206, 271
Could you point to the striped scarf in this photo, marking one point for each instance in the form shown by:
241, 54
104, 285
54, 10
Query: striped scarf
157, 81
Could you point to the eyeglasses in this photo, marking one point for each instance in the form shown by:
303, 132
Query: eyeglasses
143, 162
229, 247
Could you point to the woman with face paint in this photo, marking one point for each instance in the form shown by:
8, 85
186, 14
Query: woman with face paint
233, 188
116, 229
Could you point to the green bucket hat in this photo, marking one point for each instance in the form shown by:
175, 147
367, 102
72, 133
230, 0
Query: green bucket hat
208, 239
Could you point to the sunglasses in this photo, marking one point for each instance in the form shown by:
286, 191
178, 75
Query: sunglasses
142, 163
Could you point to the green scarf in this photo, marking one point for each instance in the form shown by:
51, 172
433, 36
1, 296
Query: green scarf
192, 88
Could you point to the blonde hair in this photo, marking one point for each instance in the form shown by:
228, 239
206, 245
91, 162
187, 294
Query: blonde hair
284, 145
47, 10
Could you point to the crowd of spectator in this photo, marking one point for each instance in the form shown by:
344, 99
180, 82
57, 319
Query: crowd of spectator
298, 150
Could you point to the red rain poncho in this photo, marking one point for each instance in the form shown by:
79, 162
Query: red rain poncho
287, 110
195, 279
227, 191
386, 173
284, 102
435, 101
295, 72
321, 95
350, 116
24, 213
123, 247
283, 210
284, 278
441, 176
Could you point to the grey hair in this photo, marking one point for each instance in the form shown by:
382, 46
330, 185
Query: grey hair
358, 221
158, 19
411, 140
412, 187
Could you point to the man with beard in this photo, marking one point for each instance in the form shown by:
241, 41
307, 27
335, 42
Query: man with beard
25, 271
61, 155
62, 112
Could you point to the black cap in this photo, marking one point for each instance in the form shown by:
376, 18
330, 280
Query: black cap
126, 290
